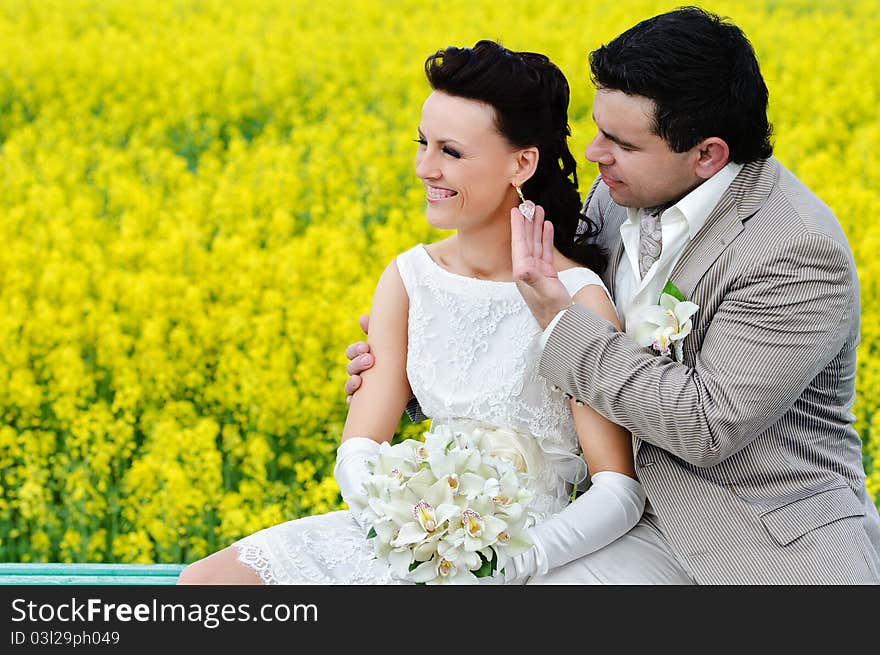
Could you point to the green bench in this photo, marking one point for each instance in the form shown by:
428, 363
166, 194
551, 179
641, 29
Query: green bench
89, 574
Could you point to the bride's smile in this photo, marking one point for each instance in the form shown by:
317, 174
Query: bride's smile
436, 194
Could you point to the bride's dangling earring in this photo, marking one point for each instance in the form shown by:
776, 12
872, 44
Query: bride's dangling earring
526, 207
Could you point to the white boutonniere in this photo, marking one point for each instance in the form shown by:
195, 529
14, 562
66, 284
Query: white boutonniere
664, 326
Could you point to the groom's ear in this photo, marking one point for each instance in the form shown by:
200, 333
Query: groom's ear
526, 163
713, 155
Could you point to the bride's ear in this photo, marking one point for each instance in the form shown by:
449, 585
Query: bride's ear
526, 164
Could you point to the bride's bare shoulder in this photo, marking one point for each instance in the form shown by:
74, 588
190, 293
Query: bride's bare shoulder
562, 263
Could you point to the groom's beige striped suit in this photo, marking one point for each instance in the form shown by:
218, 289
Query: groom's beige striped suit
746, 449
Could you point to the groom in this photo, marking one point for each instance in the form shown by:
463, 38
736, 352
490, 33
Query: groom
742, 433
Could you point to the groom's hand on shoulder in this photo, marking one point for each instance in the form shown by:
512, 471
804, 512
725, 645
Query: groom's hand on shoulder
360, 360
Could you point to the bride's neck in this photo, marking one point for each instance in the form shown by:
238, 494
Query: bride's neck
484, 252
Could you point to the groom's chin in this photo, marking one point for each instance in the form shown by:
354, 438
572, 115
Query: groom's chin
620, 197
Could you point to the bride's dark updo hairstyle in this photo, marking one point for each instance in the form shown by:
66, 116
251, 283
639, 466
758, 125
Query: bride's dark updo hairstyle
530, 97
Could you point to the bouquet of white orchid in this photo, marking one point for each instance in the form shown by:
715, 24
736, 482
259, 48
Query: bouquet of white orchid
452, 508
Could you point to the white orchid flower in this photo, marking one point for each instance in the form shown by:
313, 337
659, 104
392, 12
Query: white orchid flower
470, 440
389, 469
440, 440
472, 523
514, 540
663, 327
513, 507
428, 515
427, 549
421, 482
477, 531
456, 462
471, 484
515, 544
399, 558
441, 508
395, 506
455, 553
441, 571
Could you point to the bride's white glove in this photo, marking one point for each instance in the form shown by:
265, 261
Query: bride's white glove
351, 471
610, 508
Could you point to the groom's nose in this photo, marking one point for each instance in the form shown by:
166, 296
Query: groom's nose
598, 152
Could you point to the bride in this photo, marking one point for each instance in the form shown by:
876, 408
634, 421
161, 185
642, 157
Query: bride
449, 327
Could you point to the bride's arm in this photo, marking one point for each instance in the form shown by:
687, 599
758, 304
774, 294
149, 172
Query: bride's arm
606, 445
375, 410
614, 502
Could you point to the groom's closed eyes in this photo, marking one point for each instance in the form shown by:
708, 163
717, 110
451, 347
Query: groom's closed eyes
626, 145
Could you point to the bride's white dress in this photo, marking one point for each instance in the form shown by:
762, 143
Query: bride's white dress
472, 355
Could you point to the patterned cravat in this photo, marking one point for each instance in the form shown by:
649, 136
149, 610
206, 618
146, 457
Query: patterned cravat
650, 238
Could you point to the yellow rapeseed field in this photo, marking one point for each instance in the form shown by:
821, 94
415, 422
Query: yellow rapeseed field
197, 197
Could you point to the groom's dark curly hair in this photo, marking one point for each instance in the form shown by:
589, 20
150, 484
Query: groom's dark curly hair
530, 97
702, 74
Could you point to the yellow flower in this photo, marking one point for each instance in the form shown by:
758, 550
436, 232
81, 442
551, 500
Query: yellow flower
192, 226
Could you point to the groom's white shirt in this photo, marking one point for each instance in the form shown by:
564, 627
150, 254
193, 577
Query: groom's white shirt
679, 224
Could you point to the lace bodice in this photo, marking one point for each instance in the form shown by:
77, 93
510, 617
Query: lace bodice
473, 354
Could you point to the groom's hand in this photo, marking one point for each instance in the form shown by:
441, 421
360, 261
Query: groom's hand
536, 277
361, 359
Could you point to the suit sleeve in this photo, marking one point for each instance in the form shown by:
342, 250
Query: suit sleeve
775, 329
414, 411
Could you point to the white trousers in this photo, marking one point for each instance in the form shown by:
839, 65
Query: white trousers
640, 557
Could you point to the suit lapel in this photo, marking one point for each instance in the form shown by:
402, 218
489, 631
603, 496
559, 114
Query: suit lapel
614, 246
616, 251
744, 196
720, 229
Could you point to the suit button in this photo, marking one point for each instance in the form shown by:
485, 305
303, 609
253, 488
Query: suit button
556, 388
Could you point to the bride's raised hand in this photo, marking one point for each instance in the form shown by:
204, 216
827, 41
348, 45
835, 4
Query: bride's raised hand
536, 277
